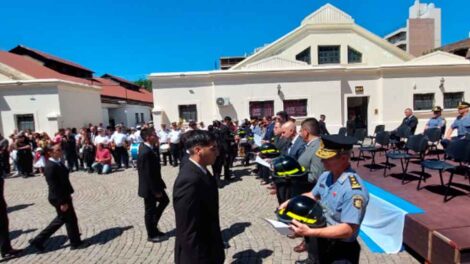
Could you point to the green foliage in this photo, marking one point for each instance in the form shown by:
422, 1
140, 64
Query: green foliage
144, 83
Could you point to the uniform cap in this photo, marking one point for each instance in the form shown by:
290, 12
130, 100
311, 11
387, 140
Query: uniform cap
437, 109
331, 145
463, 105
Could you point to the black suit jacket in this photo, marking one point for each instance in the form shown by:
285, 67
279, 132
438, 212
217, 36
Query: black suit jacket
196, 204
322, 128
411, 122
57, 177
148, 167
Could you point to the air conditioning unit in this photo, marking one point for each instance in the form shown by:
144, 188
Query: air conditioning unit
222, 101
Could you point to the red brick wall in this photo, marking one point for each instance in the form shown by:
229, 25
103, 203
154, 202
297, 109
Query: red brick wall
421, 36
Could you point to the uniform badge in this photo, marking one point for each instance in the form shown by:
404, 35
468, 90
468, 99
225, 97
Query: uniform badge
354, 183
358, 201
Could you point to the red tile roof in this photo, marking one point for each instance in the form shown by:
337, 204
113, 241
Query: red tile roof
114, 89
52, 57
36, 70
119, 79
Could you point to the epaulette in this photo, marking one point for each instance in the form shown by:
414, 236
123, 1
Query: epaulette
354, 183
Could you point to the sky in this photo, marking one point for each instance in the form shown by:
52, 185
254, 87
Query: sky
133, 38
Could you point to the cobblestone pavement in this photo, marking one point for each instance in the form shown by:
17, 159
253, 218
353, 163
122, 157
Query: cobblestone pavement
110, 216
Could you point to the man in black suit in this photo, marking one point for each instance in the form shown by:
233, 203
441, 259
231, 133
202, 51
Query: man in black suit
151, 185
410, 120
196, 204
60, 197
322, 125
6, 250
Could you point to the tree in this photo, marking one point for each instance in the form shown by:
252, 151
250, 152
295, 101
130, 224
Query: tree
147, 84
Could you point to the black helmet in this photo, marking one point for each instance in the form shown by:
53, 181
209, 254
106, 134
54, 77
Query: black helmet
269, 151
303, 209
286, 166
241, 132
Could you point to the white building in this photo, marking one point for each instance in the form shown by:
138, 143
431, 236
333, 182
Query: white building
35, 97
328, 65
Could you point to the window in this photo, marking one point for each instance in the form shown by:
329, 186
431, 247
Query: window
136, 118
142, 117
24, 122
304, 56
328, 54
452, 100
261, 109
423, 101
188, 112
354, 56
296, 107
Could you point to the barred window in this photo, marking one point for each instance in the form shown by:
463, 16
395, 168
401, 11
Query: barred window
354, 56
328, 54
296, 107
423, 101
304, 56
260, 109
188, 112
452, 100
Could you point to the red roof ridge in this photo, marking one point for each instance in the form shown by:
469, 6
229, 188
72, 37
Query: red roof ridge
54, 58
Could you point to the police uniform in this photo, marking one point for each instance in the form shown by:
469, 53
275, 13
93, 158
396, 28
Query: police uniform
434, 122
343, 201
461, 123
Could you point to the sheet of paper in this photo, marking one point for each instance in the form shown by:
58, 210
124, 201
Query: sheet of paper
257, 140
262, 162
280, 227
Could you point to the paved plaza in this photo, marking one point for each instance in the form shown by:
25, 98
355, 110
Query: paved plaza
111, 217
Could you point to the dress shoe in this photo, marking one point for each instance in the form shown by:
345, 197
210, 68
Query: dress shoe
156, 239
82, 245
160, 233
36, 245
300, 247
12, 253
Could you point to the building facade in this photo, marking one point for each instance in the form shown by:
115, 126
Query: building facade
328, 65
422, 32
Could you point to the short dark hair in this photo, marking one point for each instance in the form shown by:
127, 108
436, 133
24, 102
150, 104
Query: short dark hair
322, 116
283, 115
146, 132
311, 125
227, 118
198, 138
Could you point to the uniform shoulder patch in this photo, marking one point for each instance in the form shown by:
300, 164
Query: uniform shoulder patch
355, 185
358, 201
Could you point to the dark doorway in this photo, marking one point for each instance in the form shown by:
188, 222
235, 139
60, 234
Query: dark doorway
357, 113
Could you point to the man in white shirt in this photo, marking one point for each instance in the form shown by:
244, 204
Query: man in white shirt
119, 141
175, 139
101, 138
137, 137
164, 135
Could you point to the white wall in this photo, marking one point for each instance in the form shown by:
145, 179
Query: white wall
372, 54
79, 106
29, 99
130, 110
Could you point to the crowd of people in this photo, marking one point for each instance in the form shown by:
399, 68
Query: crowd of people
305, 162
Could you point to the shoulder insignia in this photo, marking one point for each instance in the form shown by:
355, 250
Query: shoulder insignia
354, 183
358, 201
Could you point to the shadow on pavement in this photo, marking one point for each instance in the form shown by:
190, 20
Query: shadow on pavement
233, 231
18, 207
16, 233
107, 235
251, 256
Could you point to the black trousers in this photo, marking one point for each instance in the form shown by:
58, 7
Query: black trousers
72, 161
321, 250
5, 245
69, 218
5, 161
283, 191
25, 161
175, 152
167, 156
153, 213
122, 157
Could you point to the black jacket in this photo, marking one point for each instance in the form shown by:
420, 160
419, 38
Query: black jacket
148, 167
411, 122
57, 177
322, 128
196, 204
